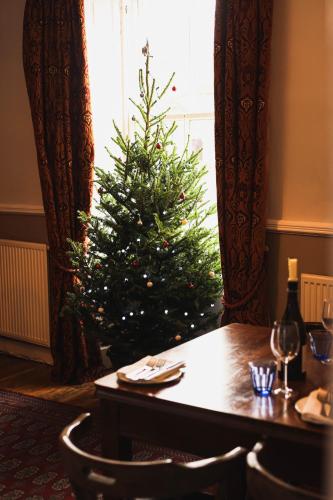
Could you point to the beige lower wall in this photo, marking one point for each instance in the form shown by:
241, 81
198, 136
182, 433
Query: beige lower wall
314, 254
27, 227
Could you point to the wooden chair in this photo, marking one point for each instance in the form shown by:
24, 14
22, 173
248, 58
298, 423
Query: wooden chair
263, 483
91, 475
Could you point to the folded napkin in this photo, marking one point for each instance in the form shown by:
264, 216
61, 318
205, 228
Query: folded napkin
318, 408
149, 369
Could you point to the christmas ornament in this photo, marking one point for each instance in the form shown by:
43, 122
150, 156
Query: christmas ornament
165, 244
158, 146
98, 265
145, 49
182, 196
135, 263
211, 274
150, 284
184, 222
174, 88
190, 285
139, 222
100, 309
178, 337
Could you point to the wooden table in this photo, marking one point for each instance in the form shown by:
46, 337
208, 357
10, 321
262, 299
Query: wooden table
213, 407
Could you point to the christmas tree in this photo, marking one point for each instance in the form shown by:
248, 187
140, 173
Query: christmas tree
150, 274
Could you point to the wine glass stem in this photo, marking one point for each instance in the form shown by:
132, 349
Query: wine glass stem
285, 378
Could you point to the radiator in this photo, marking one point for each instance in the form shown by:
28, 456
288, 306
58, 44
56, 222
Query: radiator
24, 297
314, 289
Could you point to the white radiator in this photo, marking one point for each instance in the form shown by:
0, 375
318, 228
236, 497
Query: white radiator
24, 296
314, 289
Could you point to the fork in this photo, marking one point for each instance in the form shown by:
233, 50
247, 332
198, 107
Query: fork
143, 370
156, 372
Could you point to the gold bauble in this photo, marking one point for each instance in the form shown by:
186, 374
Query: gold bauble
150, 284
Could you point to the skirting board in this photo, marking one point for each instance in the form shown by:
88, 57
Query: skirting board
26, 351
37, 353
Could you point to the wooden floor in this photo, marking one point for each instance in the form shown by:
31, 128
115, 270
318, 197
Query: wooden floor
34, 379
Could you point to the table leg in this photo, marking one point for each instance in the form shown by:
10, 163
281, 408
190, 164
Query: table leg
113, 445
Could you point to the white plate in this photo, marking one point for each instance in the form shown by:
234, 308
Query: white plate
299, 405
171, 378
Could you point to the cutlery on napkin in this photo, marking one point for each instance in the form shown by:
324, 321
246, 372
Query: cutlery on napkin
150, 368
318, 407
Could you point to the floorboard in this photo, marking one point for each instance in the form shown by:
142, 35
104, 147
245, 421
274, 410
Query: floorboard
34, 379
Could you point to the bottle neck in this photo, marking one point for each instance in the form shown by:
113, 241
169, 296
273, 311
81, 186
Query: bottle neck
292, 290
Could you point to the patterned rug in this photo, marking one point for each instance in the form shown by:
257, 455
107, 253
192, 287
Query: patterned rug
30, 463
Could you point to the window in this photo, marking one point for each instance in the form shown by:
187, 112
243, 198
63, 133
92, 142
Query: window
180, 35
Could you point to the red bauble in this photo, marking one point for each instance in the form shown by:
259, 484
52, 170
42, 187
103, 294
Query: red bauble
98, 265
158, 146
174, 88
135, 263
190, 285
165, 244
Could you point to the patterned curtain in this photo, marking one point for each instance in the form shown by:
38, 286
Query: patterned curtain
54, 55
242, 58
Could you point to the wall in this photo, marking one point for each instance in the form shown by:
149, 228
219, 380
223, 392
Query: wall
20, 191
300, 140
300, 205
301, 113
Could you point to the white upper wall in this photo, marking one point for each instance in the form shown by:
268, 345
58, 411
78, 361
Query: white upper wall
19, 184
301, 113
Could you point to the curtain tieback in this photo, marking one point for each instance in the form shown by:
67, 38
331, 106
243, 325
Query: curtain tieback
60, 266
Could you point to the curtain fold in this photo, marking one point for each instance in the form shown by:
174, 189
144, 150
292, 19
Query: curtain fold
54, 58
241, 65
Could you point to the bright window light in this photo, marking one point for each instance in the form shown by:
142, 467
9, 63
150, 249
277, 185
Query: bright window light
181, 40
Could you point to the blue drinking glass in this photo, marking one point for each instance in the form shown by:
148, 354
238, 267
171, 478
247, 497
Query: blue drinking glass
262, 376
321, 344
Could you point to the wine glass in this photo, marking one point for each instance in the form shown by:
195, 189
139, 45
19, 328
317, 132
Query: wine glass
285, 345
327, 315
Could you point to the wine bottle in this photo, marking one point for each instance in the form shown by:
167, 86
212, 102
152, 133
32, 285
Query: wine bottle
296, 370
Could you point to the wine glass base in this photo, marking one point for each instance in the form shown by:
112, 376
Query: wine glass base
284, 392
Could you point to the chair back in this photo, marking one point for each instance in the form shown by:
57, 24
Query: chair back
92, 475
263, 484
